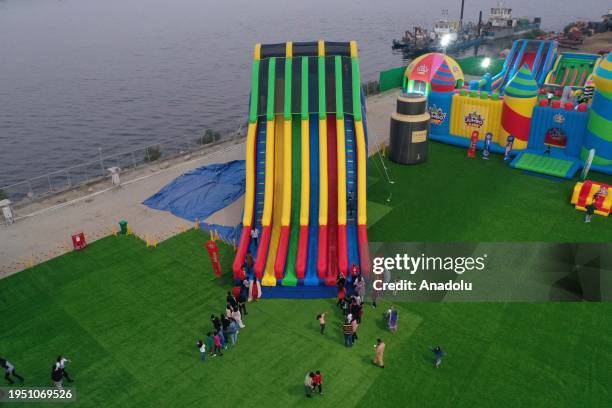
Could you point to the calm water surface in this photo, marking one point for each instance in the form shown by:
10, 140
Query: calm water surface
79, 75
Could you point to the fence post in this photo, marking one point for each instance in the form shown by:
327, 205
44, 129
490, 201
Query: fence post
101, 162
68, 178
49, 180
133, 159
30, 186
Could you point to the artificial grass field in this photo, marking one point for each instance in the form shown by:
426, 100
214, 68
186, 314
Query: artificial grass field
129, 316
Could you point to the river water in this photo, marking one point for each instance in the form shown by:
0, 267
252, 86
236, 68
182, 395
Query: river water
77, 76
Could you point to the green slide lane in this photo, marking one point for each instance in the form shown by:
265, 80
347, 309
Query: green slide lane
290, 278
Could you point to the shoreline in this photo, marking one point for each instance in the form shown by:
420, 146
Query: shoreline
43, 229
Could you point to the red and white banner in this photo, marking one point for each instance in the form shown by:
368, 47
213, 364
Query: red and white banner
213, 254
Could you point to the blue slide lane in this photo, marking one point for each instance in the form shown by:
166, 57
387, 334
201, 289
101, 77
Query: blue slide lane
311, 278
351, 191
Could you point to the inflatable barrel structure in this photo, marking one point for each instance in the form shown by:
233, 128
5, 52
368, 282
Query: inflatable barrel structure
409, 131
599, 124
520, 98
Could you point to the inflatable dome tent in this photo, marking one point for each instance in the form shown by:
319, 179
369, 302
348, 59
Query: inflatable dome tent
432, 70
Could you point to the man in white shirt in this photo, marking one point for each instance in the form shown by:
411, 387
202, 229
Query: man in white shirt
60, 365
255, 236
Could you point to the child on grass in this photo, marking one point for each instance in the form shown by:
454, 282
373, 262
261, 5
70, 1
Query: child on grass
321, 319
202, 347
317, 381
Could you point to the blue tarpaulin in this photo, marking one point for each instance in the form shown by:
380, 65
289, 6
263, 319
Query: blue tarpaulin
201, 192
229, 234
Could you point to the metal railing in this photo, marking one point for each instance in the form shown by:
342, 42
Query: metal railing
93, 171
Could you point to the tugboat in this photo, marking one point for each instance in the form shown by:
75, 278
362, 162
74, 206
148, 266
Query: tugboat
456, 36
501, 24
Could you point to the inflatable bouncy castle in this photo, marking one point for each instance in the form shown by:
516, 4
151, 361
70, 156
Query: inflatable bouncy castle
306, 155
542, 132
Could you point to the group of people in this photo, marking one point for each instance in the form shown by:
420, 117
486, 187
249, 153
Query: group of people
58, 372
313, 381
225, 328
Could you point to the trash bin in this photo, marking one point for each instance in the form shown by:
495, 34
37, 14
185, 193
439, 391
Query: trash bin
123, 227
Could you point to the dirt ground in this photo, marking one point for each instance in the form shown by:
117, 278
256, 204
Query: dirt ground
596, 43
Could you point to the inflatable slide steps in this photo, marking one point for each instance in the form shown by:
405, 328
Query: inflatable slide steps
585, 191
551, 166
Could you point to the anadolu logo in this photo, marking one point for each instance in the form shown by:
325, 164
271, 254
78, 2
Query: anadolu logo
559, 118
436, 114
474, 120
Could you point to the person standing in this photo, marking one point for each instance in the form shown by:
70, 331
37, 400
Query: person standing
210, 341
237, 316
347, 329
318, 381
57, 376
392, 319
232, 331
242, 298
321, 319
309, 384
360, 286
354, 326
255, 236
225, 322
217, 343
379, 349
438, 353
231, 299
590, 210
9, 370
202, 347
60, 364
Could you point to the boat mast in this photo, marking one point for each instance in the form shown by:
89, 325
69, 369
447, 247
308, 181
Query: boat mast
461, 15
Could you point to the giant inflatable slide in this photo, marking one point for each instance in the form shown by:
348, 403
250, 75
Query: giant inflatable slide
306, 155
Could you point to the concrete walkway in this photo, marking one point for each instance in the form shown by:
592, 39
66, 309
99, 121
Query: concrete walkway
45, 233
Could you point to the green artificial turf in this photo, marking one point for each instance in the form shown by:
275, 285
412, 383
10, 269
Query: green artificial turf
129, 316
451, 198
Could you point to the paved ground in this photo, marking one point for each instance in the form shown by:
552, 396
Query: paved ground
44, 233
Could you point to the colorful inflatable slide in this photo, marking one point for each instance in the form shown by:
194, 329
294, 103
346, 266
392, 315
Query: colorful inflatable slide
572, 69
306, 158
538, 55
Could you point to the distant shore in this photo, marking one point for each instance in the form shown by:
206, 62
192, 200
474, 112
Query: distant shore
594, 44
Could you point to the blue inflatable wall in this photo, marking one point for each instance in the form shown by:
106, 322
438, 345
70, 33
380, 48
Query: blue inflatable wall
547, 122
439, 110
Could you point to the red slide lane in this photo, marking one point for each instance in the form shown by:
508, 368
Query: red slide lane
528, 58
364, 249
243, 246
322, 252
332, 196
262, 252
302, 253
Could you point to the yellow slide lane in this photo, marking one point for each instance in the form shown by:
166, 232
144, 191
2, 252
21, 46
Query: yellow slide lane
361, 174
305, 183
323, 172
286, 163
269, 278
341, 153
249, 197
